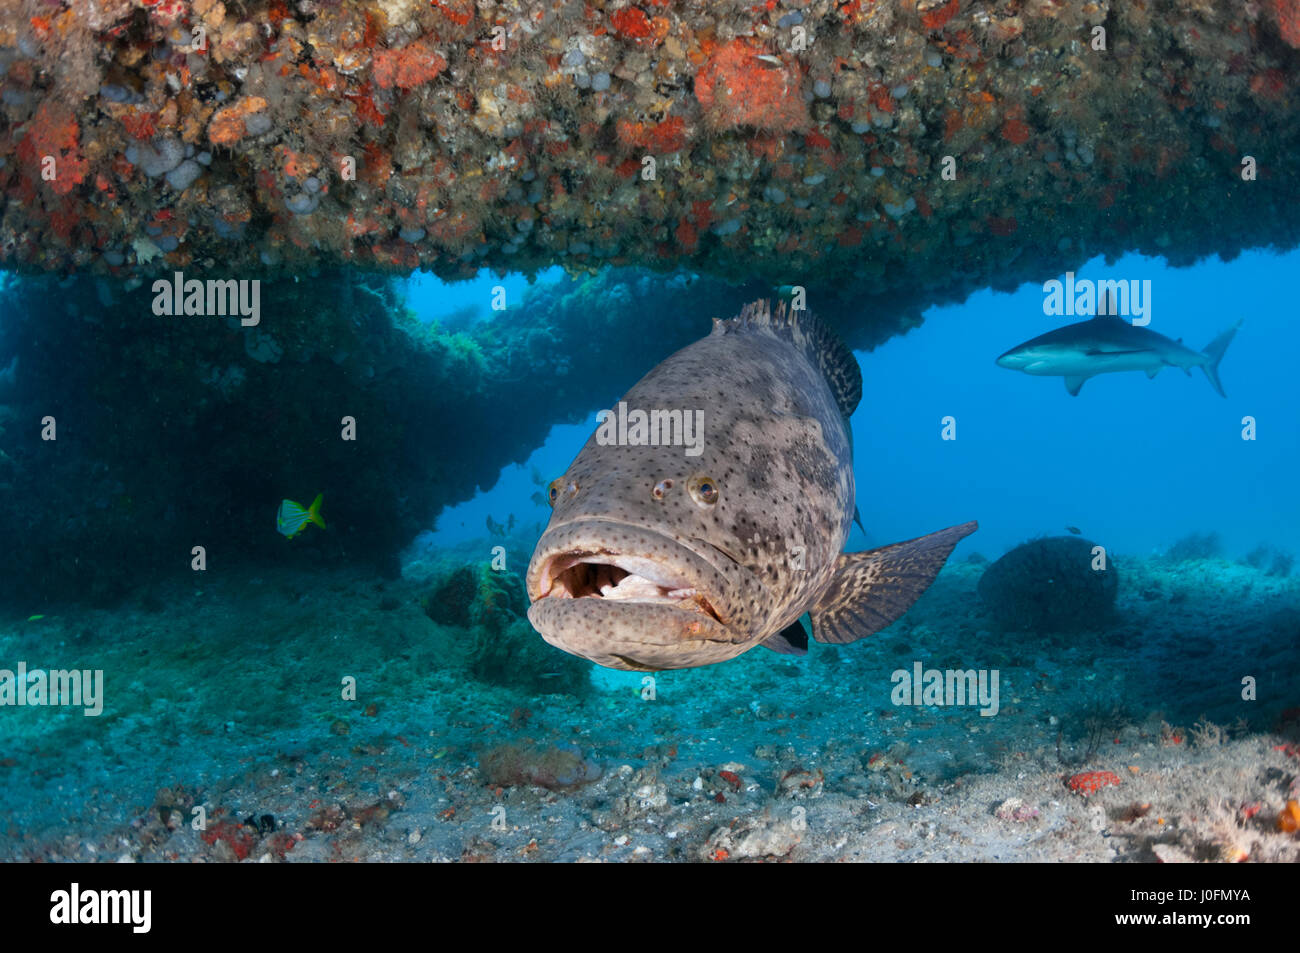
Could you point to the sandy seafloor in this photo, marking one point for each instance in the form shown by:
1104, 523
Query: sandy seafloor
226, 693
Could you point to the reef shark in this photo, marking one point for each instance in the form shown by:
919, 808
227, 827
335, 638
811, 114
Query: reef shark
655, 559
1106, 344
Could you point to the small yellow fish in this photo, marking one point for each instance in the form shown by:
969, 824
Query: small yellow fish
293, 519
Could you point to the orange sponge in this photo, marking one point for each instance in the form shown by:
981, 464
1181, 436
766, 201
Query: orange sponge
737, 88
1089, 782
1286, 13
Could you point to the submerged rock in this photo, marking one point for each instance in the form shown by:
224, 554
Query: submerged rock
1050, 584
501, 648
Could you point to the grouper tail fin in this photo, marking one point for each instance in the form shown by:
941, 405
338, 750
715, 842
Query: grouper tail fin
1214, 351
873, 589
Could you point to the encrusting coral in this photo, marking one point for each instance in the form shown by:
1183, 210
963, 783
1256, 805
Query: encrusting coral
899, 151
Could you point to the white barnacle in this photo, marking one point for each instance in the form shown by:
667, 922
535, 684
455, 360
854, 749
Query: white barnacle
145, 250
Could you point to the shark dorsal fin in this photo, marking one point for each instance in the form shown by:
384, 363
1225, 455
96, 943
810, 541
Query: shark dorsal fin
1106, 308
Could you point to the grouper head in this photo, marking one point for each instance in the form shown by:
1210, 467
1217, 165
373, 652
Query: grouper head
625, 574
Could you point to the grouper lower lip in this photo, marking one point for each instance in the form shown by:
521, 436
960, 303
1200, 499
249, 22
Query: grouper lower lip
633, 636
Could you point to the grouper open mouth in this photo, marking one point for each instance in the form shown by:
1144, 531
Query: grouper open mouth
628, 596
617, 577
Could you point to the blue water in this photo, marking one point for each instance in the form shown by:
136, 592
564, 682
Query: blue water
470, 301
1138, 463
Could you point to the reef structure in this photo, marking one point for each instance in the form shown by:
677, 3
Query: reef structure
907, 151
184, 428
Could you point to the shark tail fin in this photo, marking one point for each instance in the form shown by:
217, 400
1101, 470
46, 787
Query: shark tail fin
1214, 351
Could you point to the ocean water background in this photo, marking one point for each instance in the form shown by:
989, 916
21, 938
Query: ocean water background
227, 692
1136, 463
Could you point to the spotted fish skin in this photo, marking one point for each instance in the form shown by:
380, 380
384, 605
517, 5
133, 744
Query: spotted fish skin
640, 569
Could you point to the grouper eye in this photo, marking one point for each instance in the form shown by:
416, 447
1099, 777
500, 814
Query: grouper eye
704, 490
561, 485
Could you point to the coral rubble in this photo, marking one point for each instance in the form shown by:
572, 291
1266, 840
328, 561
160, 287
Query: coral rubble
558, 768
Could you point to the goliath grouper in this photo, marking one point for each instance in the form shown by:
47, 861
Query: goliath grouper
660, 556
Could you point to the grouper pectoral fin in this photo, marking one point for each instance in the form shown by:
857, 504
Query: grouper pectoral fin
1072, 384
873, 589
792, 640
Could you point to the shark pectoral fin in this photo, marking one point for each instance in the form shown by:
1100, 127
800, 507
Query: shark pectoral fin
1153, 371
792, 640
873, 589
1072, 384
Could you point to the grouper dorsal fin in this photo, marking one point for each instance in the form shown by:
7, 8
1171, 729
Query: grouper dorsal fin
810, 334
870, 590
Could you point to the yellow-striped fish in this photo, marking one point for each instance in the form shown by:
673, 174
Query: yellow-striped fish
293, 519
